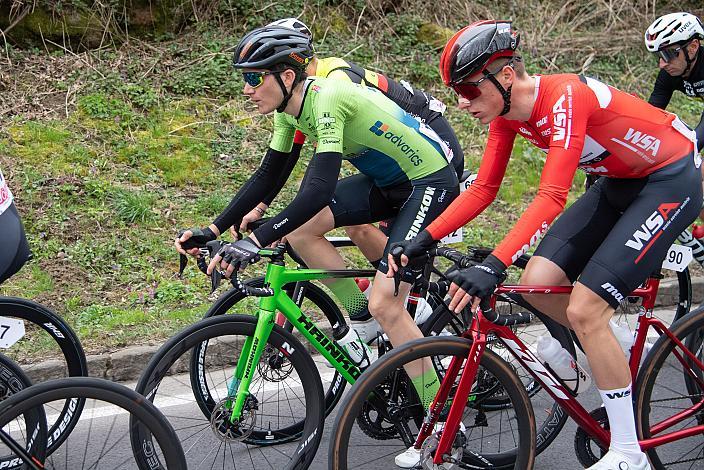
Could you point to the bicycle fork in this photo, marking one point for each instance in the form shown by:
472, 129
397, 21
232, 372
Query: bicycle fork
459, 402
249, 358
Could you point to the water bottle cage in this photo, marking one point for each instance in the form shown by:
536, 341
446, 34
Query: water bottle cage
562, 382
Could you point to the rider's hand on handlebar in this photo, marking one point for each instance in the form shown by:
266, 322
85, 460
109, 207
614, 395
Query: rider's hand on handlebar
475, 283
235, 234
415, 248
191, 240
235, 255
252, 216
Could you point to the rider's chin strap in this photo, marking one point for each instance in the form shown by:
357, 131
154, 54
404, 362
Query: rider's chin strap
505, 93
689, 62
287, 93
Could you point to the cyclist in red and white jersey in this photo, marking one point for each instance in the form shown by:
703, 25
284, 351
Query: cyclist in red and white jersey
14, 251
610, 239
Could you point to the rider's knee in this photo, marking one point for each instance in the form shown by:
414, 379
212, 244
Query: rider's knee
382, 303
356, 231
378, 305
304, 234
543, 272
587, 315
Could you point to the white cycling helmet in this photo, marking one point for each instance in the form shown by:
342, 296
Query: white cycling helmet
672, 29
293, 23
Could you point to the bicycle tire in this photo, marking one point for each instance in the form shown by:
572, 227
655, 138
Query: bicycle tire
521, 457
335, 387
650, 390
71, 348
684, 294
165, 362
12, 381
72, 388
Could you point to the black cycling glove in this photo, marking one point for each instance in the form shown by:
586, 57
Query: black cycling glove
417, 247
200, 237
480, 280
240, 254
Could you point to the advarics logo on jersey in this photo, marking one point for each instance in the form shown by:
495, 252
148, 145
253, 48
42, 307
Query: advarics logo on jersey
379, 128
382, 130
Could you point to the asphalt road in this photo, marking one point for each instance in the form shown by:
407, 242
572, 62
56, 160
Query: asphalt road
102, 425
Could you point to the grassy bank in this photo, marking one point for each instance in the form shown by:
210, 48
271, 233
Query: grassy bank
109, 152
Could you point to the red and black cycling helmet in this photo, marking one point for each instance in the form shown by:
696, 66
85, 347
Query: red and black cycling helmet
473, 48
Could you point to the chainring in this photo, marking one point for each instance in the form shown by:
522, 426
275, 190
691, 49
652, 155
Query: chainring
585, 445
372, 423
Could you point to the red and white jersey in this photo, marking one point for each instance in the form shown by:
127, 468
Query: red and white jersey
579, 122
5, 194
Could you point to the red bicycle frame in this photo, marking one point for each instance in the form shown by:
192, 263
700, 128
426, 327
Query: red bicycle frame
480, 328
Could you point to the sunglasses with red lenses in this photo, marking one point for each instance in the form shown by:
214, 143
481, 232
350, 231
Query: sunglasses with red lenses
470, 90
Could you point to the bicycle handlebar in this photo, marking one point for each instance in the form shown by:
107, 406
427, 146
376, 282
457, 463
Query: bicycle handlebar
441, 287
213, 248
509, 319
466, 260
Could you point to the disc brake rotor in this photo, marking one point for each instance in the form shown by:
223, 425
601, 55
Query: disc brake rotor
427, 453
227, 431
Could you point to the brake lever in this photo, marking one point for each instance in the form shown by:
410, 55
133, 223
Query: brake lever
182, 263
212, 248
396, 253
215, 279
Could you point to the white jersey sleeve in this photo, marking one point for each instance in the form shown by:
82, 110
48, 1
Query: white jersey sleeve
5, 194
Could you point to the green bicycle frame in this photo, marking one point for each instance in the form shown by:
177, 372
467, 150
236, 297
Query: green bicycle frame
277, 276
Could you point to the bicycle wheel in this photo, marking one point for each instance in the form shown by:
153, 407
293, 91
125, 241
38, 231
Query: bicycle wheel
670, 383
315, 303
47, 337
101, 438
367, 431
13, 380
285, 394
550, 418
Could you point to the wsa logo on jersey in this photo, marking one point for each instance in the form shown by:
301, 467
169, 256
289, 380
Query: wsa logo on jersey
644, 141
655, 224
379, 128
562, 117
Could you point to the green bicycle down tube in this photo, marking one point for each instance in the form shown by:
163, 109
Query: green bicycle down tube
276, 277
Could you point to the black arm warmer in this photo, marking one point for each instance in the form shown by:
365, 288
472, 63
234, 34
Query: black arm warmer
314, 195
291, 160
272, 168
662, 91
700, 133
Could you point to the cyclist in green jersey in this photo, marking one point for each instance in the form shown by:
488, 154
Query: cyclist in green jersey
404, 172
368, 238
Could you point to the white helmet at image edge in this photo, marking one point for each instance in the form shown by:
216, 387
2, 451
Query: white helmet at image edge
672, 29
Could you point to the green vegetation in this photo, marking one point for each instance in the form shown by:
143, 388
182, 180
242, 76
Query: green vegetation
110, 151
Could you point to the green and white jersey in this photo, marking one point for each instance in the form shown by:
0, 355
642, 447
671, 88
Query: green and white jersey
367, 128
